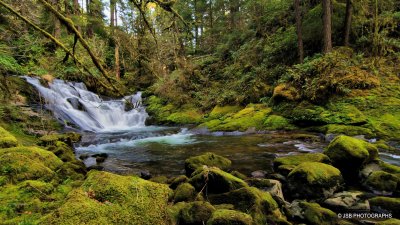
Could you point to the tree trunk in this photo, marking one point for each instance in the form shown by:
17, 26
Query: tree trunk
210, 13
76, 7
70, 25
89, 27
112, 13
347, 22
300, 47
327, 25
57, 25
196, 26
117, 63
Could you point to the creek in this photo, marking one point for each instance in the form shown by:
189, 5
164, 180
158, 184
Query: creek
117, 127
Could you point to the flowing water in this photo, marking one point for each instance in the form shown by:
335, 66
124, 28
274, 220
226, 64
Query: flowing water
117, 127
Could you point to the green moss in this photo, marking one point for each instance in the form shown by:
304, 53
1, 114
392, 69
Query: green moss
389, 222
197, 212
185, 117
347, 130
53, 139
158, 109
275, 122
106, 198
295, 160
184, 192
314, 180
176, 181
381, 181
27, 163
62, 151
252, 116
6, 139
216, 180
220, 111
314, 214
387, 125
159, 179
349, 154
207, 159
386, 204
229, 217
259, 204
389, 167
239, 175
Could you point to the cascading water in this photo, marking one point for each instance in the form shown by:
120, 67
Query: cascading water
72, 102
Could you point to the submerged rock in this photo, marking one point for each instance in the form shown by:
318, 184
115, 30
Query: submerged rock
214, 180
207, 159
314, 180
229, 217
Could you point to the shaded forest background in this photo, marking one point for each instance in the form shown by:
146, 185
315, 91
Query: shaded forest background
208, 52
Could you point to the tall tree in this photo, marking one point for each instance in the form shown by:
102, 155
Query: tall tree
57, 25
299, 32
327, 25
347, 22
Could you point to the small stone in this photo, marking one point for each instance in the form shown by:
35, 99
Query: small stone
258, 174
145, 174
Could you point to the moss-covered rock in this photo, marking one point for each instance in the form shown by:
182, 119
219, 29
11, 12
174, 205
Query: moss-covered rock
159, 179
259, 204
106, 198
252, 116
184, 192
53, 139
6, 139
229, 217
350, 154
214, 180
348, 201
193, 213
386, 205
207, 159
188, 116
314, 180
389, 222
381, 182
275, 122
315, 214
28, 163
62, 151
347, 130
176, 181
220, 111
287, 163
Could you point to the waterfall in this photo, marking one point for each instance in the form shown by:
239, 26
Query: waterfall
72, 102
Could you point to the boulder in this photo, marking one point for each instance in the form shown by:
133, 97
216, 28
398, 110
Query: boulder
214, 180
312, 213
382, 183
259, 204
68, 138
106, 198
313, 180
348, 201
386, 205
207, 159
272, 186
193, 213
184, 192
6, 139
350, 154
176, 181
285, 164
229, 217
